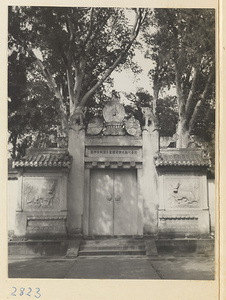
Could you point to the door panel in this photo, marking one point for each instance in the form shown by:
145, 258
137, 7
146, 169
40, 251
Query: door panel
113, 202
101, 204
125, 203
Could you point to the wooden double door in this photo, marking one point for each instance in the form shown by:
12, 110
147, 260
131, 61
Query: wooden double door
113, 202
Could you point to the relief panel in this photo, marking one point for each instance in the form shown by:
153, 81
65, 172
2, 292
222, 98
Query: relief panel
182, 192
41, 193
47, 225
179, 224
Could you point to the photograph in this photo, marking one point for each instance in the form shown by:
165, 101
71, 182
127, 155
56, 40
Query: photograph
112, 128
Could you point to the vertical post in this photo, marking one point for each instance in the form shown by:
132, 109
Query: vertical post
140, 221
20, 187
204, 218
20, 221
86, 202
150, 180
76, 179
64, 179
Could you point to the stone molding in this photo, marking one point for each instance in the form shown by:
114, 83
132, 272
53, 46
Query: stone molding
46, 218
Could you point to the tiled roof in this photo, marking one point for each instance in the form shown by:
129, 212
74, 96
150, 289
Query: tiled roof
44, 158
182, 157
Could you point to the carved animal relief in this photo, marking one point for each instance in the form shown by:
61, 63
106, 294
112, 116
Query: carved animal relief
42, 193
183, 194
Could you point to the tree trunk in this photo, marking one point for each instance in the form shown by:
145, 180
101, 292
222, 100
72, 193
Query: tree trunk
182, 133
155, 98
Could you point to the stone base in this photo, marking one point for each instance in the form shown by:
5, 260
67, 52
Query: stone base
73, 248
205, 246
41, 225
38, 248
192, 223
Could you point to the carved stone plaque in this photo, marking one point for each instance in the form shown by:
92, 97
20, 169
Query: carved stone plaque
41, 193
132, 126
179, 224
46, 225
182, 192
113, 151
95, 126
113, 112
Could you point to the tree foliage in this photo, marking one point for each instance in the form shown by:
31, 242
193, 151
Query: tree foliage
165, 111
79, 47
183, 48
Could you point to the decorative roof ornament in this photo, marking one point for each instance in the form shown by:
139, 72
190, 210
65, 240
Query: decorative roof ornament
113, 122
114, 114
95, 126
149, 118
113, 111
77, 118
132, 126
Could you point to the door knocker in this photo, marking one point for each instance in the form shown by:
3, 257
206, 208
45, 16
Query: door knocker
109, 198
117, 198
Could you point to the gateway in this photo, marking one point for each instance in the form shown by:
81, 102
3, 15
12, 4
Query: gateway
113, 202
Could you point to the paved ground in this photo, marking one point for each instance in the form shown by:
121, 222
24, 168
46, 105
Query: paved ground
112, 267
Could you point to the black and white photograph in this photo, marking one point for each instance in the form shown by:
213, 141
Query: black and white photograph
111, 143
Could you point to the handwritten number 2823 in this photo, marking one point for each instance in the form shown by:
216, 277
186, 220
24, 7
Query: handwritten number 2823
22, 292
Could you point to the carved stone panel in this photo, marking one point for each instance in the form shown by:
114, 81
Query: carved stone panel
179, 224
132, 126
41, 193
182, 191
113, 112
46, 225
119, 151
95, 126
114, 128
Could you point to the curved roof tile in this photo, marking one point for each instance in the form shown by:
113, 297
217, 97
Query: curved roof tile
44, 158
182, 157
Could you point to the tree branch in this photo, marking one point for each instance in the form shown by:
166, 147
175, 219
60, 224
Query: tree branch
52, 86
70, 28
191, 92
89, 31
94, 34
200, 102
70, 84
108, 72
180, 96
78, 81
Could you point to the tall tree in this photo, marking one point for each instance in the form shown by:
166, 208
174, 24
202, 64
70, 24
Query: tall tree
183, 48
79, 47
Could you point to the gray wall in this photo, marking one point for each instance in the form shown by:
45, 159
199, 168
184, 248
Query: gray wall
12, 202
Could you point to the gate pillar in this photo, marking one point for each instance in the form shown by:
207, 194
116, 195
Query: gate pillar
150, 181
76, 180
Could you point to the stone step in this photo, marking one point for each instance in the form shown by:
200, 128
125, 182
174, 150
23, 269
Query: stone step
112, 247
112, 242
111, 252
